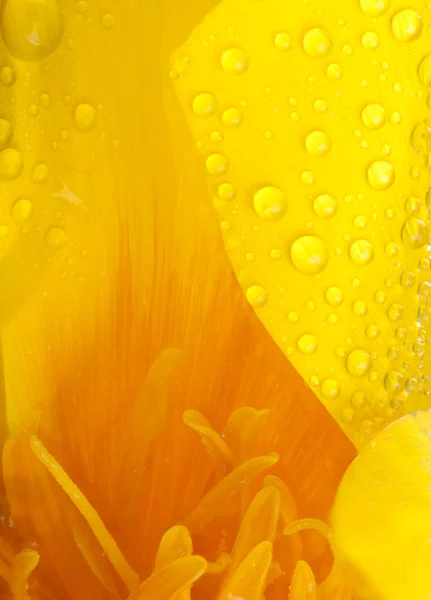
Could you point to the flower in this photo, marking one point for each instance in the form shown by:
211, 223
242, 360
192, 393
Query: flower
127, 345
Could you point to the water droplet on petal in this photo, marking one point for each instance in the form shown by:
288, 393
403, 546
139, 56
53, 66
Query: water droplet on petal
216, 164
317, 43
307, 344
334, 296
325, 206
415, 233
381, 175
309, 254
318, 143
370, 40
358, 363
55, 237
22, 210
407, 25
391, 249
232, 117
360, 308
361, 252
40, 173
373, 116
395, 312
204, 105
374, 8
7, 76
5, 131
372, 332
270, 203
424, 71
235, 61
334, 72
257, 296
31, 29
330, 389
85, 117
226, 192
10, 164
283, 41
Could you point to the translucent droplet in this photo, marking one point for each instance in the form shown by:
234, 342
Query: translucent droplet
235, 61
334, 72
415, 233
407, 280
348, 415
270, 203
394, 381
380, 297
334, 296
325, 206
412, 206
330, 389
257, 296
358, 362
216, 136
395, 312
40, 173
370, 40
307, 178
7, 76
424, 71
309, 254
307, 344
317, 43
31, 29
358, 399
360, 308
293, 317
318, 143
332, 319
391, 249
283, 41
216, 164
10, 164
407, 25
276, 254
232, 117
361, 252
374, 8
204, 105
55, 237
395, 118
360, 221
226, 192
22, 210
372, 332
381, 175
320, 105
5, 131
85, 117
108, 21
373, 116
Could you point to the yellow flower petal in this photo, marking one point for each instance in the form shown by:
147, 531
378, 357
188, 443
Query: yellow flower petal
321, 189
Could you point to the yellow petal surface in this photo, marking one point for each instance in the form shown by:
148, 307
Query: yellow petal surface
311, 118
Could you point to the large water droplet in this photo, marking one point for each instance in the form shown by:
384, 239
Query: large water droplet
204, 105
381, 175
361, 252
373, 116
325, 206
318, 143
415, 233
283, 41
270, 203
358, 362
216, 164
257, 296
374, 8
10, 164
22, 210
226, 192
330, 389
40, 173
309, 254
235, 61
407, 25
32, 29
317, 43
334, 296
307, 344
85, 117
232, 117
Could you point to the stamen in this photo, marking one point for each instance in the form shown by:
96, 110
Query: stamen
303, 586
24, 564
249, 579
314, 524
216, 447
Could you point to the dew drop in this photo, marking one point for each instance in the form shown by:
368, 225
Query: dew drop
424, 71
415, 233
226, 192
5, 131
283, 41
317, 43
85, 117
318, 143
334, 72
358, 362
348, 415
10, 164
407, 280
235, 61
108, 21
361, 252
407, 25
232, 117
334, 296
320, 105
216, 136
309, 254
216, 164
307, 178
204, 105
307, 344
395, 312
55, 237
22, 210
7, 76
391, 249
40, 173
372, 332
325, 206
330, 389
374, 8
360, 308
380, 297
373, 116
360, 222
31, 29
412, 205
381, 175
257, 296
394, 381
293, 317
370, 40
332, 319
270, 203
358, 399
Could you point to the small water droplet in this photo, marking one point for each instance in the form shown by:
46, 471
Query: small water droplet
424, 71
334, 72
293, 317
318, 143
307, 344
373, 116
325, 206
108, 21
22, 210
204, 105
40, 173
5, 131
226, 192
374, 8
85, 117
358, 362
270, 203
361, 252
412, 205
55, 237
216, 164
334, 296
320, 105
395, 312
283, 41
360, 308
407, 279
216, 137
330, 389
235, 61
257, 296
309, 254
307, 178
10, 164
372, 332
232, 117
391, 249
407, 25
31, 29
317, 43
276, 254
394, 381
7, 76
381, 175
348, 415
415, 233
370, 40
